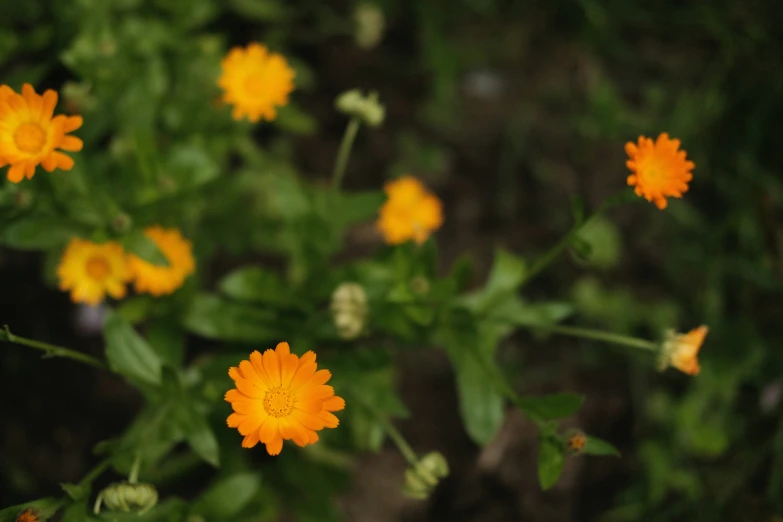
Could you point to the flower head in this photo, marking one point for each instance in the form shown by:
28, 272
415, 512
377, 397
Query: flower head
659, 168
29, 135
410, 212
681, 350
159, 279
280, 396
349, 310
255, 81
90, 271
576, 442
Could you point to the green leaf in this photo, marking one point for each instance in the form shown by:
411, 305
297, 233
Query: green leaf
168, 341
358, 207
46, 507
40, 233
136, 242
199, 434
550, 460
596, 446
551, 407
472, 355
191, 166
293, 119
215, 318
128, 353
226, 498
255, 284
508, 272
75, 491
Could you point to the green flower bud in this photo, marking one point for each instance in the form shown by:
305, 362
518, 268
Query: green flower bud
367, 108
370, 24
349, 310
422, 478
127, 497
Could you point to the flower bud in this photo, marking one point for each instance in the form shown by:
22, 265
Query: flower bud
681, 350
349, 310
127, 497
422, 478
368, 108
575, 443
369, 25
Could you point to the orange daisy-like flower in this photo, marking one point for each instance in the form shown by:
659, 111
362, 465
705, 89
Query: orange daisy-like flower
659, 168
255, 81
159, 279
29, 135
681, 350
90, 271
411, 212
280, 396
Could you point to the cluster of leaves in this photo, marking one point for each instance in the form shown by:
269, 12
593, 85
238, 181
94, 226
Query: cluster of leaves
158, 149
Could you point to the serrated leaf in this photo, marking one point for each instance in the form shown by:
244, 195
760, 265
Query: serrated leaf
128, 353
137, 243
226, 498
551, 407
40, 233
215, 318
550, 460
596, 446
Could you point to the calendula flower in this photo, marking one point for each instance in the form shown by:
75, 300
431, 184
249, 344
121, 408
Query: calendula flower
90, 271
659, 168
681, 350
410, 212
160, 279
255, 81
280, 396
29, 135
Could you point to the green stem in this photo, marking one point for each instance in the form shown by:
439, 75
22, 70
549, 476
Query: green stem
345, 150
51, 349
598, 335
391, 430
133, 476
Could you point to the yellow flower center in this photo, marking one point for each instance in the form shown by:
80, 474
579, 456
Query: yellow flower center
255, 84
278, 402
98, 268
30, 138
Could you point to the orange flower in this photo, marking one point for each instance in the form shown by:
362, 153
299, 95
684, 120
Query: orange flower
161, 280
660, 169
29, 134
410, 212
254, 81
28, 515
681, 350
576, 442
90, 271
280, 396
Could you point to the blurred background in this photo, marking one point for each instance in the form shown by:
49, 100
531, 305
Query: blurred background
505, 109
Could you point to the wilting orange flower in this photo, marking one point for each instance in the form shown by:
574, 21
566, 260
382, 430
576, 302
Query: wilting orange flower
254, 81
410, 212
160, 279
681, 350
28, 515
29, 134
280, 396
660, 169
90, 271
576, 442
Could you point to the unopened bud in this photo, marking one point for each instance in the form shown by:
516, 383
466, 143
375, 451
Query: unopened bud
576, 442
368, 108
422, 477
23, 199
121, 223
127, 497
349, 310
370, 24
